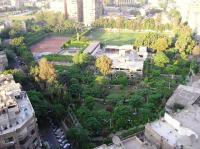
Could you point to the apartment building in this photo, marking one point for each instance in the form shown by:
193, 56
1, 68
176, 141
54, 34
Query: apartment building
190, 12
124, 2
57, 6
18, 124
179, 128
75, 10
92, 10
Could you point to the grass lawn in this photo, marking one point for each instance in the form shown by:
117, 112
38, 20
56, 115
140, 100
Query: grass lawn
111, 38
59, 58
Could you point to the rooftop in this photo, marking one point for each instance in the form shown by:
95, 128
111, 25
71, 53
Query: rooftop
130, 143
125, 57
90, 49
181, 128
183, 96
15, 107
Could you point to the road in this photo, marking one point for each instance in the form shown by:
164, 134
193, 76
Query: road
46, 133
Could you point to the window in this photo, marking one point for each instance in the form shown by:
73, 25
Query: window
9, 140
11, 147
32, 131
24, 140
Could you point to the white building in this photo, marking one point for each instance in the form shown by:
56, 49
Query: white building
179, 128
124, 2
190, 12
75, 10
124, 58
57, 6
92, 10
18, 124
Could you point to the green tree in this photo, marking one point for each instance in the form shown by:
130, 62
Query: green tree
175, 16
122, 117
89, 102
75, 88
80, 58
104, 64
101, 80
18, 41
160, 59
40, 105
79, 137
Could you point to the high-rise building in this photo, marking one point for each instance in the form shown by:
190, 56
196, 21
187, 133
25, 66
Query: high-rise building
75, 10
124, 2
57, 6
11, 3
92, 10
18, 124
190, 12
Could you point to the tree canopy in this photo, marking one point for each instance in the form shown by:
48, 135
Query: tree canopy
104, 64
160, 59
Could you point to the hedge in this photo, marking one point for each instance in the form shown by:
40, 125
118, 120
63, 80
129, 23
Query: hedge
59, 58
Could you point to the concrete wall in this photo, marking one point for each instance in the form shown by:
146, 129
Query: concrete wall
25, 133
155, 139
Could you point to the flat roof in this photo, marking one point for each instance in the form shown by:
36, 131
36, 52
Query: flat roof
15, 107
189, 120
123, 47
130, 143
91, 47
183, 95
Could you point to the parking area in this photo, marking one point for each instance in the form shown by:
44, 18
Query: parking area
53, 136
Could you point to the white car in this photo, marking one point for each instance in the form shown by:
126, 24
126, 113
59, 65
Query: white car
67, 145
60, 140
62, 137
64, 142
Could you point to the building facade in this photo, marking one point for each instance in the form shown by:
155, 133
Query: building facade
124, 2
3, 60
75, 10
18, 124
190, 12
92, 10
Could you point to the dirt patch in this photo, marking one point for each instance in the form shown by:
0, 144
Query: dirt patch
49, 44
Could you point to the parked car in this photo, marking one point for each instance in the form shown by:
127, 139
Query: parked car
66, 146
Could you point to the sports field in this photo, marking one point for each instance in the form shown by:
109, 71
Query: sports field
51, 44
113, 38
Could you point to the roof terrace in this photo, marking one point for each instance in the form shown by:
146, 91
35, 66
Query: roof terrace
15, 107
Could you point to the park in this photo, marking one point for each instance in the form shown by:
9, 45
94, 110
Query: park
103, 102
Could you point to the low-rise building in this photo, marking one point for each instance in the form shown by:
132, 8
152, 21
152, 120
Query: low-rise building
179, 128
92, 48
3, 61
18, 124
125, 58
129, 143
182, 97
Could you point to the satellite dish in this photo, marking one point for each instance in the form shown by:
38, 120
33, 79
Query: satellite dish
116, 140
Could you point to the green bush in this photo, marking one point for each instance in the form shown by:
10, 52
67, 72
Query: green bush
59, 58
132, 131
